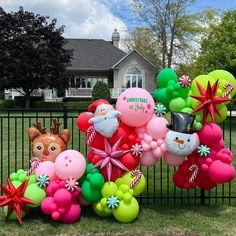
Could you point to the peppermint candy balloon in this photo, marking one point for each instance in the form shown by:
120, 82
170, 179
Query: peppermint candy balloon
160, 110
71, 184
136, 150
112, 202
203, 150
184, 81
43, 181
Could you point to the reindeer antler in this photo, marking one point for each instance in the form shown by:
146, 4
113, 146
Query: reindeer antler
55, 128
38, 127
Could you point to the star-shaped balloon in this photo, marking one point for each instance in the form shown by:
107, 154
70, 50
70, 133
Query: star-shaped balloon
110, 157
209, 100
14, 199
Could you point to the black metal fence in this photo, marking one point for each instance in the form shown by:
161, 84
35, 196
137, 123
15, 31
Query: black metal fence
15, 153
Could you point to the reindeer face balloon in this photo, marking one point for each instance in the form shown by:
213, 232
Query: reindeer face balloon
180, 139
48, 145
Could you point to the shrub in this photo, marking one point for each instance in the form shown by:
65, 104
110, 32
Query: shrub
20, 100
7, 103
79, 99
101, 91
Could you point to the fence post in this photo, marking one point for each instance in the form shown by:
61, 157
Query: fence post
65, 115
202, 197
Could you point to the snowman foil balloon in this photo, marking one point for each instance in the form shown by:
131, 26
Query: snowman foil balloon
181, 139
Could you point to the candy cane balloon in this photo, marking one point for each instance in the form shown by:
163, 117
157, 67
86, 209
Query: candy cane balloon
194, 175
230, 87
138, 174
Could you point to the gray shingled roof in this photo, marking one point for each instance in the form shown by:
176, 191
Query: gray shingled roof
93, 54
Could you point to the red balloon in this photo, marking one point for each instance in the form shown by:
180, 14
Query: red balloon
129, 161
116, 173
120, 132
206, 183
82, 121
90, 156
98, 141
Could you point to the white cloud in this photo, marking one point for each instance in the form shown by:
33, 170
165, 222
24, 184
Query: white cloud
82, 18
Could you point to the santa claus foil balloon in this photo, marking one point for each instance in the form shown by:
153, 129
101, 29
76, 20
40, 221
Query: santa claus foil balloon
181, 139
105, 117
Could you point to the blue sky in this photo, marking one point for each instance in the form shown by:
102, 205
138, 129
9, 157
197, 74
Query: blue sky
93, 18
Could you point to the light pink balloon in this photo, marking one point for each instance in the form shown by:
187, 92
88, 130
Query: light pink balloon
136, 106
156, 127
146, 147
139, 130
153, 144
70, 164
148, 139
147, 159
173, 160
157, 153
46, 168
163, 147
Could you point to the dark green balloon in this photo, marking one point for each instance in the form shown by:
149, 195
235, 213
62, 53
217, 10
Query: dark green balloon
165, 76
161, 96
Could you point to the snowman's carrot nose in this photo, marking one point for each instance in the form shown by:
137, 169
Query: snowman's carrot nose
180, 141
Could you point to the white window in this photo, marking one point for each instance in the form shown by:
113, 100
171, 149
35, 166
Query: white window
134, 77
85, 82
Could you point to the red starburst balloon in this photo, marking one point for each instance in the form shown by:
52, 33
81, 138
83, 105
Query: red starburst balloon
209, 100
14, 199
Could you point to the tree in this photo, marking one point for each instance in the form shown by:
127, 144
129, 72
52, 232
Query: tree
172, 27
32, 54
143, 40
218, 49
101, 91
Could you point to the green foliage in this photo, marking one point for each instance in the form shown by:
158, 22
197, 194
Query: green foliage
7, 104
32, 53
79, 99
20, 100
101, 91
218, 49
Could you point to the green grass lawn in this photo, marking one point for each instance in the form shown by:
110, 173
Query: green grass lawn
165, 209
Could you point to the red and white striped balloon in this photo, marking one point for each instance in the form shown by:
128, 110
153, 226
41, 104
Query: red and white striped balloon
184, 81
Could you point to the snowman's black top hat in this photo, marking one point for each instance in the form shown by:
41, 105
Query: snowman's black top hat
182, 122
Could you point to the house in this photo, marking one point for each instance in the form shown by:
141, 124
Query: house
99, 60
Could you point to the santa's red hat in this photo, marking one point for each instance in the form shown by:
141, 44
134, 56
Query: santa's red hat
92, 107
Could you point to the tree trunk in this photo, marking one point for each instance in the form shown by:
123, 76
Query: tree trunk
27, 99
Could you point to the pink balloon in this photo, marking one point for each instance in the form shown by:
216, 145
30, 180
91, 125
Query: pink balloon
139, 130
210, 135
45, 205
220, 172
156, 127
157, 153
70, 164
62, 198
172, 160
148, 139
136, 106
146, 147
72, 214
46, 168
153, 144
147, 159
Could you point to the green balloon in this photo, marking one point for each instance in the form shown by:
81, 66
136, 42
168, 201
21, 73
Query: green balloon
187, 110
139, 187
188, 102
13, 176
36, 194
127, 211
99, 210
183, 92
16, 183
109, 189
13, 215
89, 193
168, 116
20, 171
203, 81
177, 104
22, 177
97, 181
161, 96
197, 125
32, 179
224, 112
224, 76
165, 76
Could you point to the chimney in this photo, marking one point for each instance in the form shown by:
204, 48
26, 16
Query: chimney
115, 38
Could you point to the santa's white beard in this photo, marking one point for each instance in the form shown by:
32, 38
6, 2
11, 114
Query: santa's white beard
106, 125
